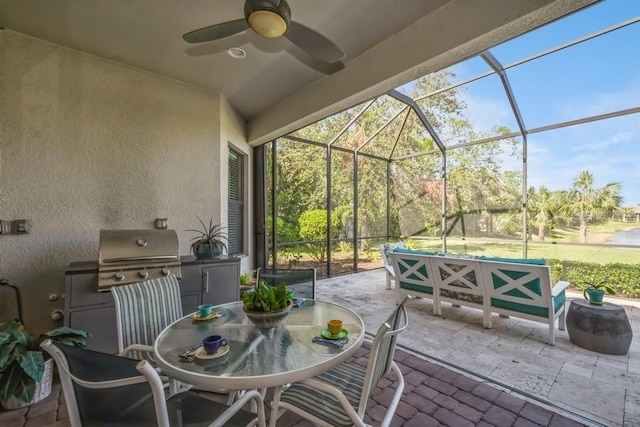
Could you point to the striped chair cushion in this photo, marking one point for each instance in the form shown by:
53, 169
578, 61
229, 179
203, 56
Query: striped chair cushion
347, 378
146, 308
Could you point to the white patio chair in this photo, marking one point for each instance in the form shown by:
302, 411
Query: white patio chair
106, 390
143, 310
339, 397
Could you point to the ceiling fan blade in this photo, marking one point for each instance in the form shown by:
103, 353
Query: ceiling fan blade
320, 66
314, 43
215, 32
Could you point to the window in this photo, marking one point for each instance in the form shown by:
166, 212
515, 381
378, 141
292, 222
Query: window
236, 203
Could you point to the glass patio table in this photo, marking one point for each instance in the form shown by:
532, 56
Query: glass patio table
258, 358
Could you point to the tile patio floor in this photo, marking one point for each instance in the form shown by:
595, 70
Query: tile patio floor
459, 374
513, 354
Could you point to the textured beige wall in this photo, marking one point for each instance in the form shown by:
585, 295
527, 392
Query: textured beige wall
87, 144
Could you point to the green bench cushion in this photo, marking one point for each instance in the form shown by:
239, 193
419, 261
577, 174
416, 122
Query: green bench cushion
533, 286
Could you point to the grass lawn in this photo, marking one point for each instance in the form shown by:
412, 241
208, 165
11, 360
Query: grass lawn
492, 247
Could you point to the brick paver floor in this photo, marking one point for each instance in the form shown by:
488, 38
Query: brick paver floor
433, 396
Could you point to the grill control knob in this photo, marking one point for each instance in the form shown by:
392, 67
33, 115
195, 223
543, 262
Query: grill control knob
141, 242
143, 274
165, 271
118, 276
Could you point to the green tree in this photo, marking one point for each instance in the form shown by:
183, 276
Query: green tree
586, 203
542, 205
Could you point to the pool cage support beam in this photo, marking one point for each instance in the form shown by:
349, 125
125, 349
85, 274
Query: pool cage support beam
274, 203
497, 67
355, 211
329, 210
436, 138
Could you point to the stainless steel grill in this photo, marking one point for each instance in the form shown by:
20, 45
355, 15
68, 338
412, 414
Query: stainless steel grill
128, 256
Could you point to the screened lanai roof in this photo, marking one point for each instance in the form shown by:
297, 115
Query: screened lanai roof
573, 83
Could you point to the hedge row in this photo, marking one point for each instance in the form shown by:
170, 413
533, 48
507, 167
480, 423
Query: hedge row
623, 278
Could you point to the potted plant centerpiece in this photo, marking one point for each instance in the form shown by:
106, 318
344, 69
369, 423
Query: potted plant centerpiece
595, 292
210, 241
26, 371
267, 306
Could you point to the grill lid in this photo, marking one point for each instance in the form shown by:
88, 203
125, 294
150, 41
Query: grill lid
128, 256
126, 246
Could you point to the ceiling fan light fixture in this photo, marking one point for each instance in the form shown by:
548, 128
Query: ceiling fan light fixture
237, 53
267, 23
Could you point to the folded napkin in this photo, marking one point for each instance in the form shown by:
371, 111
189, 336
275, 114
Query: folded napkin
339, 343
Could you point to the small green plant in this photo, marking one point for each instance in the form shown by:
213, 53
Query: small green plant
210, 240
22, 359
245, 279
602, 286
267, 298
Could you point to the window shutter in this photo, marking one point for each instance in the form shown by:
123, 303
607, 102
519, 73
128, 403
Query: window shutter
235, 206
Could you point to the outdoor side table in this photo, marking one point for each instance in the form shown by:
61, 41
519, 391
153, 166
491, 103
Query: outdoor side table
603, 328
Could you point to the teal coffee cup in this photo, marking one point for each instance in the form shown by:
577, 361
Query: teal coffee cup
204, 310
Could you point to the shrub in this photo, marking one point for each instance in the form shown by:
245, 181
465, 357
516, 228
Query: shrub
623, 278
313, 227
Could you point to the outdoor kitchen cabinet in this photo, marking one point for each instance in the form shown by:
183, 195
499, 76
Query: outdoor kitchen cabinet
209, 281
220, 283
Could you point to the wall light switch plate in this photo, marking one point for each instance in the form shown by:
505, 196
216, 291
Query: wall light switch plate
21, 226
5, 226
161, 223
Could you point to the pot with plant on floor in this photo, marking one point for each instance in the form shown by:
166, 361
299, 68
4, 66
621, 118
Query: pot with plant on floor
26, 371
210, 241
595, 292
267, 306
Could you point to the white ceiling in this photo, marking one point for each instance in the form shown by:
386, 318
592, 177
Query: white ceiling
147, 34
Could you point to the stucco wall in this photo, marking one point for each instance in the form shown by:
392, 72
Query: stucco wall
87, 144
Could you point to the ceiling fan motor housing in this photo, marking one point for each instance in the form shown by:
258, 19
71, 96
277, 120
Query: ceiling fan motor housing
267, 18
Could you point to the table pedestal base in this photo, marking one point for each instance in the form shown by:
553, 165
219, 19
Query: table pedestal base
603, 328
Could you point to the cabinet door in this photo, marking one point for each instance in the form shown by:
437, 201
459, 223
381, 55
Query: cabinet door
221, 284
100, 322
190, 303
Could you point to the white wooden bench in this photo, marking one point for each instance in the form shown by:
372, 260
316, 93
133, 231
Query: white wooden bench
385, 248
519, 288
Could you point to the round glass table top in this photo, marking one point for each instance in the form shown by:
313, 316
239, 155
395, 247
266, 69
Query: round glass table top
258, 358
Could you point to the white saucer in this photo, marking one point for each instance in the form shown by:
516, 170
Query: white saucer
201, 354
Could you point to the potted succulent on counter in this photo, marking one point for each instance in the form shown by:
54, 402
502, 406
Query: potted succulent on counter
210, 241
267, 306
26, 371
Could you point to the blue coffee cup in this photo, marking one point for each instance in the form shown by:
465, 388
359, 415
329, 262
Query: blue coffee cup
212, 343
204, 310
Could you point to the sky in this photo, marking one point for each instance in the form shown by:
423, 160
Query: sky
599, 76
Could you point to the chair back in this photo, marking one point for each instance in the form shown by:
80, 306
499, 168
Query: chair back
88, 379
302, 281
383, 349
144, 309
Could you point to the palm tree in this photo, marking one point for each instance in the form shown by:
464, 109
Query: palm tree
585, 202
542, 205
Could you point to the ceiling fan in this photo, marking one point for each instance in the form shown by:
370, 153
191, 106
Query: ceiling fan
272, 19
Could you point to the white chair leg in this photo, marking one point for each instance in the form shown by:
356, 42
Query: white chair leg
562, 321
